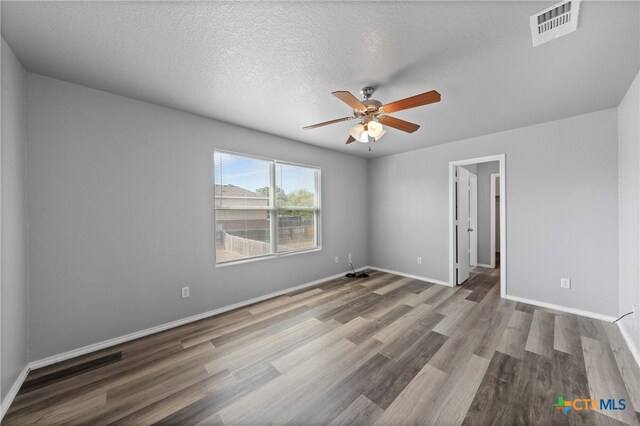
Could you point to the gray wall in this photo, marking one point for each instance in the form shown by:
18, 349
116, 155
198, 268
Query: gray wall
14, 227
120, 216
484, 210
561, 209
629, 209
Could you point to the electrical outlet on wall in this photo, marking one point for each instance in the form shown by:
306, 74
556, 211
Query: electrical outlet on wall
337, 259
419, 260
185, 292
349, 257
565, 282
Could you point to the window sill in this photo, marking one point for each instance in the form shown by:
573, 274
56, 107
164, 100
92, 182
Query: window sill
267, 257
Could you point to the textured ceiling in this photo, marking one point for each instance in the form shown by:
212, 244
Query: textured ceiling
272, 66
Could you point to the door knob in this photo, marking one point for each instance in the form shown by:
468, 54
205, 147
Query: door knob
469, 229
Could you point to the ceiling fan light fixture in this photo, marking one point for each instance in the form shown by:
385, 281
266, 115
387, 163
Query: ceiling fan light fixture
356, 131
365, 133
375, 130
360, 133
365, 137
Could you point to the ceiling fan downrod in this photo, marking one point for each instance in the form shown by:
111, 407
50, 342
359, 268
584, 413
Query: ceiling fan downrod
367, 92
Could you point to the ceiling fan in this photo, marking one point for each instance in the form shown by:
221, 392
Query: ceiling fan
372, 114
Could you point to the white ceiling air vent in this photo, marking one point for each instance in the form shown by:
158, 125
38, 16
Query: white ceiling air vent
555, 21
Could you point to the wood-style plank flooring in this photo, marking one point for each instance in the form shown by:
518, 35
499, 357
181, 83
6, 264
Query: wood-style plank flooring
381, 350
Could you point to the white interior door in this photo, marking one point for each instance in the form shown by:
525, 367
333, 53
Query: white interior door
462, 225
473, 219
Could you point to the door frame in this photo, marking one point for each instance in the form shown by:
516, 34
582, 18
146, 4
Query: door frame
501, 159
492, 207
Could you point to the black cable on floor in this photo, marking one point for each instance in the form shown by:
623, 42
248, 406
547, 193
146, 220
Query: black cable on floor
354, 274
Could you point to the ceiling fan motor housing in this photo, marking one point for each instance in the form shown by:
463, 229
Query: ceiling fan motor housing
372, 104
373, 109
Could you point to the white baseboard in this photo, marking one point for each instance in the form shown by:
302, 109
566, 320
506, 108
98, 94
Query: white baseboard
484, 265
13, 391
415, 277
630, 344
561, 308
138, 334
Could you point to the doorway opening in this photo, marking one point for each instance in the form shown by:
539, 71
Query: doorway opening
494, 203
477, 220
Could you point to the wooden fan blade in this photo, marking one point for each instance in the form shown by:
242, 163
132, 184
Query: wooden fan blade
412, 102
396, 123
350, 100
338, 120
350, 140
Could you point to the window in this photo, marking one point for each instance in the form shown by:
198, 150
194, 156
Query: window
264, 208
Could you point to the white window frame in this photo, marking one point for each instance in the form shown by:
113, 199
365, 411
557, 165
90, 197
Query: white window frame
273, 209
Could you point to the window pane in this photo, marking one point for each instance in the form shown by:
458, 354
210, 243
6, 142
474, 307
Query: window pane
247, 224
296, 230
295, 186
241, 234
240, 181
